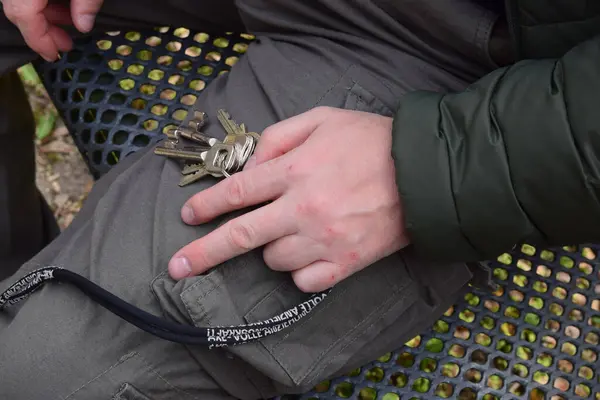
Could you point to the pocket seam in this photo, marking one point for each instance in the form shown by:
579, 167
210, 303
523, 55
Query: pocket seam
356, 337
121, 361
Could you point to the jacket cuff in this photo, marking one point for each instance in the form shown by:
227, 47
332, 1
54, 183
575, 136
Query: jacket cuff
423, 177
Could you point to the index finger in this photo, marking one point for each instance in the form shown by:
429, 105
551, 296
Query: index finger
243, 189
37, 34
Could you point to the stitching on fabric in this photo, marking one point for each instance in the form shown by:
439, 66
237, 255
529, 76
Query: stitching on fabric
268, 296
342, 76
152, 369
121, 361
356, 337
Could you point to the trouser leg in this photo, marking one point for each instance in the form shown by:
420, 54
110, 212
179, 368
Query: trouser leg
130, 226
26, 224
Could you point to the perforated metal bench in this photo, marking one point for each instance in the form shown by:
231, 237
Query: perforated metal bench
535, 338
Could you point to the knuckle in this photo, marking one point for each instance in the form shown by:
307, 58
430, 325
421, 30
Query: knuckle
241, 236
235, 193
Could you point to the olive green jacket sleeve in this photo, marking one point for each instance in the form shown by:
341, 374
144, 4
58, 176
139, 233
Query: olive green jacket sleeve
515, 158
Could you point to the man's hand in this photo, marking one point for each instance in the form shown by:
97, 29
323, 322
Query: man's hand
333, 206
39, 20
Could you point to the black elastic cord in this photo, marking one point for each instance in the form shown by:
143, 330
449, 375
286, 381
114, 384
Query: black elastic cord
168, 330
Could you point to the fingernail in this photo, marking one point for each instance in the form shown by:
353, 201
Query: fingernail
187, 214
250, 163
179, 267
48, 58
86, 22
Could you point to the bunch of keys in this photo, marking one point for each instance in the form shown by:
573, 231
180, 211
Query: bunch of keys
204, 155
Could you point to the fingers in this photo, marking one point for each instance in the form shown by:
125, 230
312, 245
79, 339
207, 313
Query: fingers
292, 252
84, 13
58, 14
239, 191
27, 16
319, 276
236, 237
285, 136
61, 38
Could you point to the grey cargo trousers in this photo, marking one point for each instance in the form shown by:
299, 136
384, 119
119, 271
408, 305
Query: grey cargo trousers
354, 54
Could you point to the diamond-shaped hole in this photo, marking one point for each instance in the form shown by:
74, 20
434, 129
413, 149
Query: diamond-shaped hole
473, 375
138, 104
532, 319
508, 329
240, 48
399, 379
135, 69
479, 357
540, 287
124, 50
462, 332
528, 335
176, 80
543, 271
173, 46
545, 359
117, 99
428, 365
231, 61
567, 262
405, 360
520, 370
184, 65
504, 346
89, 115
77, 96
221, 42
516, 388
168, 94
115, 65
108, 116
450, 370
67, 75
592, 338
147, 89
536, 302
565, 366
524, 265
193, 51
562, 384
500, 363
197, 85
74, 56
516, 296
495, 382
133, 36
583, 390
467, 394
165, 60
206, 70
129, 119
483, 339
572, 332
144, 55
367, 393
156, 74
549, 342
520, 280
141, 141
467, 316
159, 109
421, 385
94, 59
492, 305
201, 37
582, 283
589, 355
579, 299
577, 315
127, 84
153, 41
444, 390
552, 325
512, 312
441, 326
113, 157
586, 373
524, 353
213, 56
586, 268
150, 124
488, 323
181, 32
101, 136
189, 99
537, 394
104, 44
120, 137
344, 390
557, 309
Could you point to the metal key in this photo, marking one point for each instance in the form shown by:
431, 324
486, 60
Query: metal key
230, 126
190, 178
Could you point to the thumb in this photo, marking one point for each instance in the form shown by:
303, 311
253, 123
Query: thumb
84, 13
286, 135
